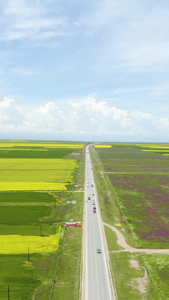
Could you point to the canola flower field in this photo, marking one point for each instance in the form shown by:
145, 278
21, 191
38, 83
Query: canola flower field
32, 166
155, 148
102, 146
36, 174
28, 144
35, 244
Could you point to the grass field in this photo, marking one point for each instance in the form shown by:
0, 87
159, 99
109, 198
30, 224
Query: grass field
21, 214
135, 194
30, 197
141, 180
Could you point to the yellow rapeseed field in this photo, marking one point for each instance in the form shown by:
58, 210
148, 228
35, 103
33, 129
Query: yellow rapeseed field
156, 150
154, 146
43, 144
18, 244
36, 174
103, 146
32, 186
37, 164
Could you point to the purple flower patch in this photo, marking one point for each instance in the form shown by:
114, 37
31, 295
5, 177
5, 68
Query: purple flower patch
145, 198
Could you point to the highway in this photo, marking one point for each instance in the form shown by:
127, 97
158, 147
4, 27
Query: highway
97, 281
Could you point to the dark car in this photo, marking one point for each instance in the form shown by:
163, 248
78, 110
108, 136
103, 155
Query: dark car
88, 198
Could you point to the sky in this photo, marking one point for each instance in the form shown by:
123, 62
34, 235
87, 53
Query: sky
93, 70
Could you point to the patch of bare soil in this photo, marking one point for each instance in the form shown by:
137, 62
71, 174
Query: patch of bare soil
134, 264
122, 242
140, 282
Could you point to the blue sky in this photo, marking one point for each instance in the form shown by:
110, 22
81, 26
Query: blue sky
84, 70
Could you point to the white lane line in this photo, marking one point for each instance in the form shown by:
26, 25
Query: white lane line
105, 262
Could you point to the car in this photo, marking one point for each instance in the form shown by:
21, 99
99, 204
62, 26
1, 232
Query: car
98, 250
88, 198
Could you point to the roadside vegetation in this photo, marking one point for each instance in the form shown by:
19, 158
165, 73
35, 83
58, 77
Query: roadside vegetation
39, 258
135, 197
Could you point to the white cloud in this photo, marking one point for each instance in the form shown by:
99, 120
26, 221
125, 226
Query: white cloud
85, 116
23, 19
10, 114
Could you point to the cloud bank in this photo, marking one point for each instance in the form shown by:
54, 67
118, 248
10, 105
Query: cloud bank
82, 119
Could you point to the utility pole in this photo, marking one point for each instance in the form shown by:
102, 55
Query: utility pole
8, 293
28, 254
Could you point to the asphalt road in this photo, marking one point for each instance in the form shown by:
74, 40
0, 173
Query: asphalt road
97, 282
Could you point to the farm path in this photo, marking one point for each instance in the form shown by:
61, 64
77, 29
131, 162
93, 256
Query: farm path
122, 242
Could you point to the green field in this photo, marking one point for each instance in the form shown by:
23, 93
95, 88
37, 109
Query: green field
26, 278
31, 198
32, 224
24, 214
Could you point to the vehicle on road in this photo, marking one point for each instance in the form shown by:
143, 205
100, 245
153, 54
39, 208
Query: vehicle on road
98, 250
88, 198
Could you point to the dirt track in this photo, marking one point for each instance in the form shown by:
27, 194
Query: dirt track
122, 242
